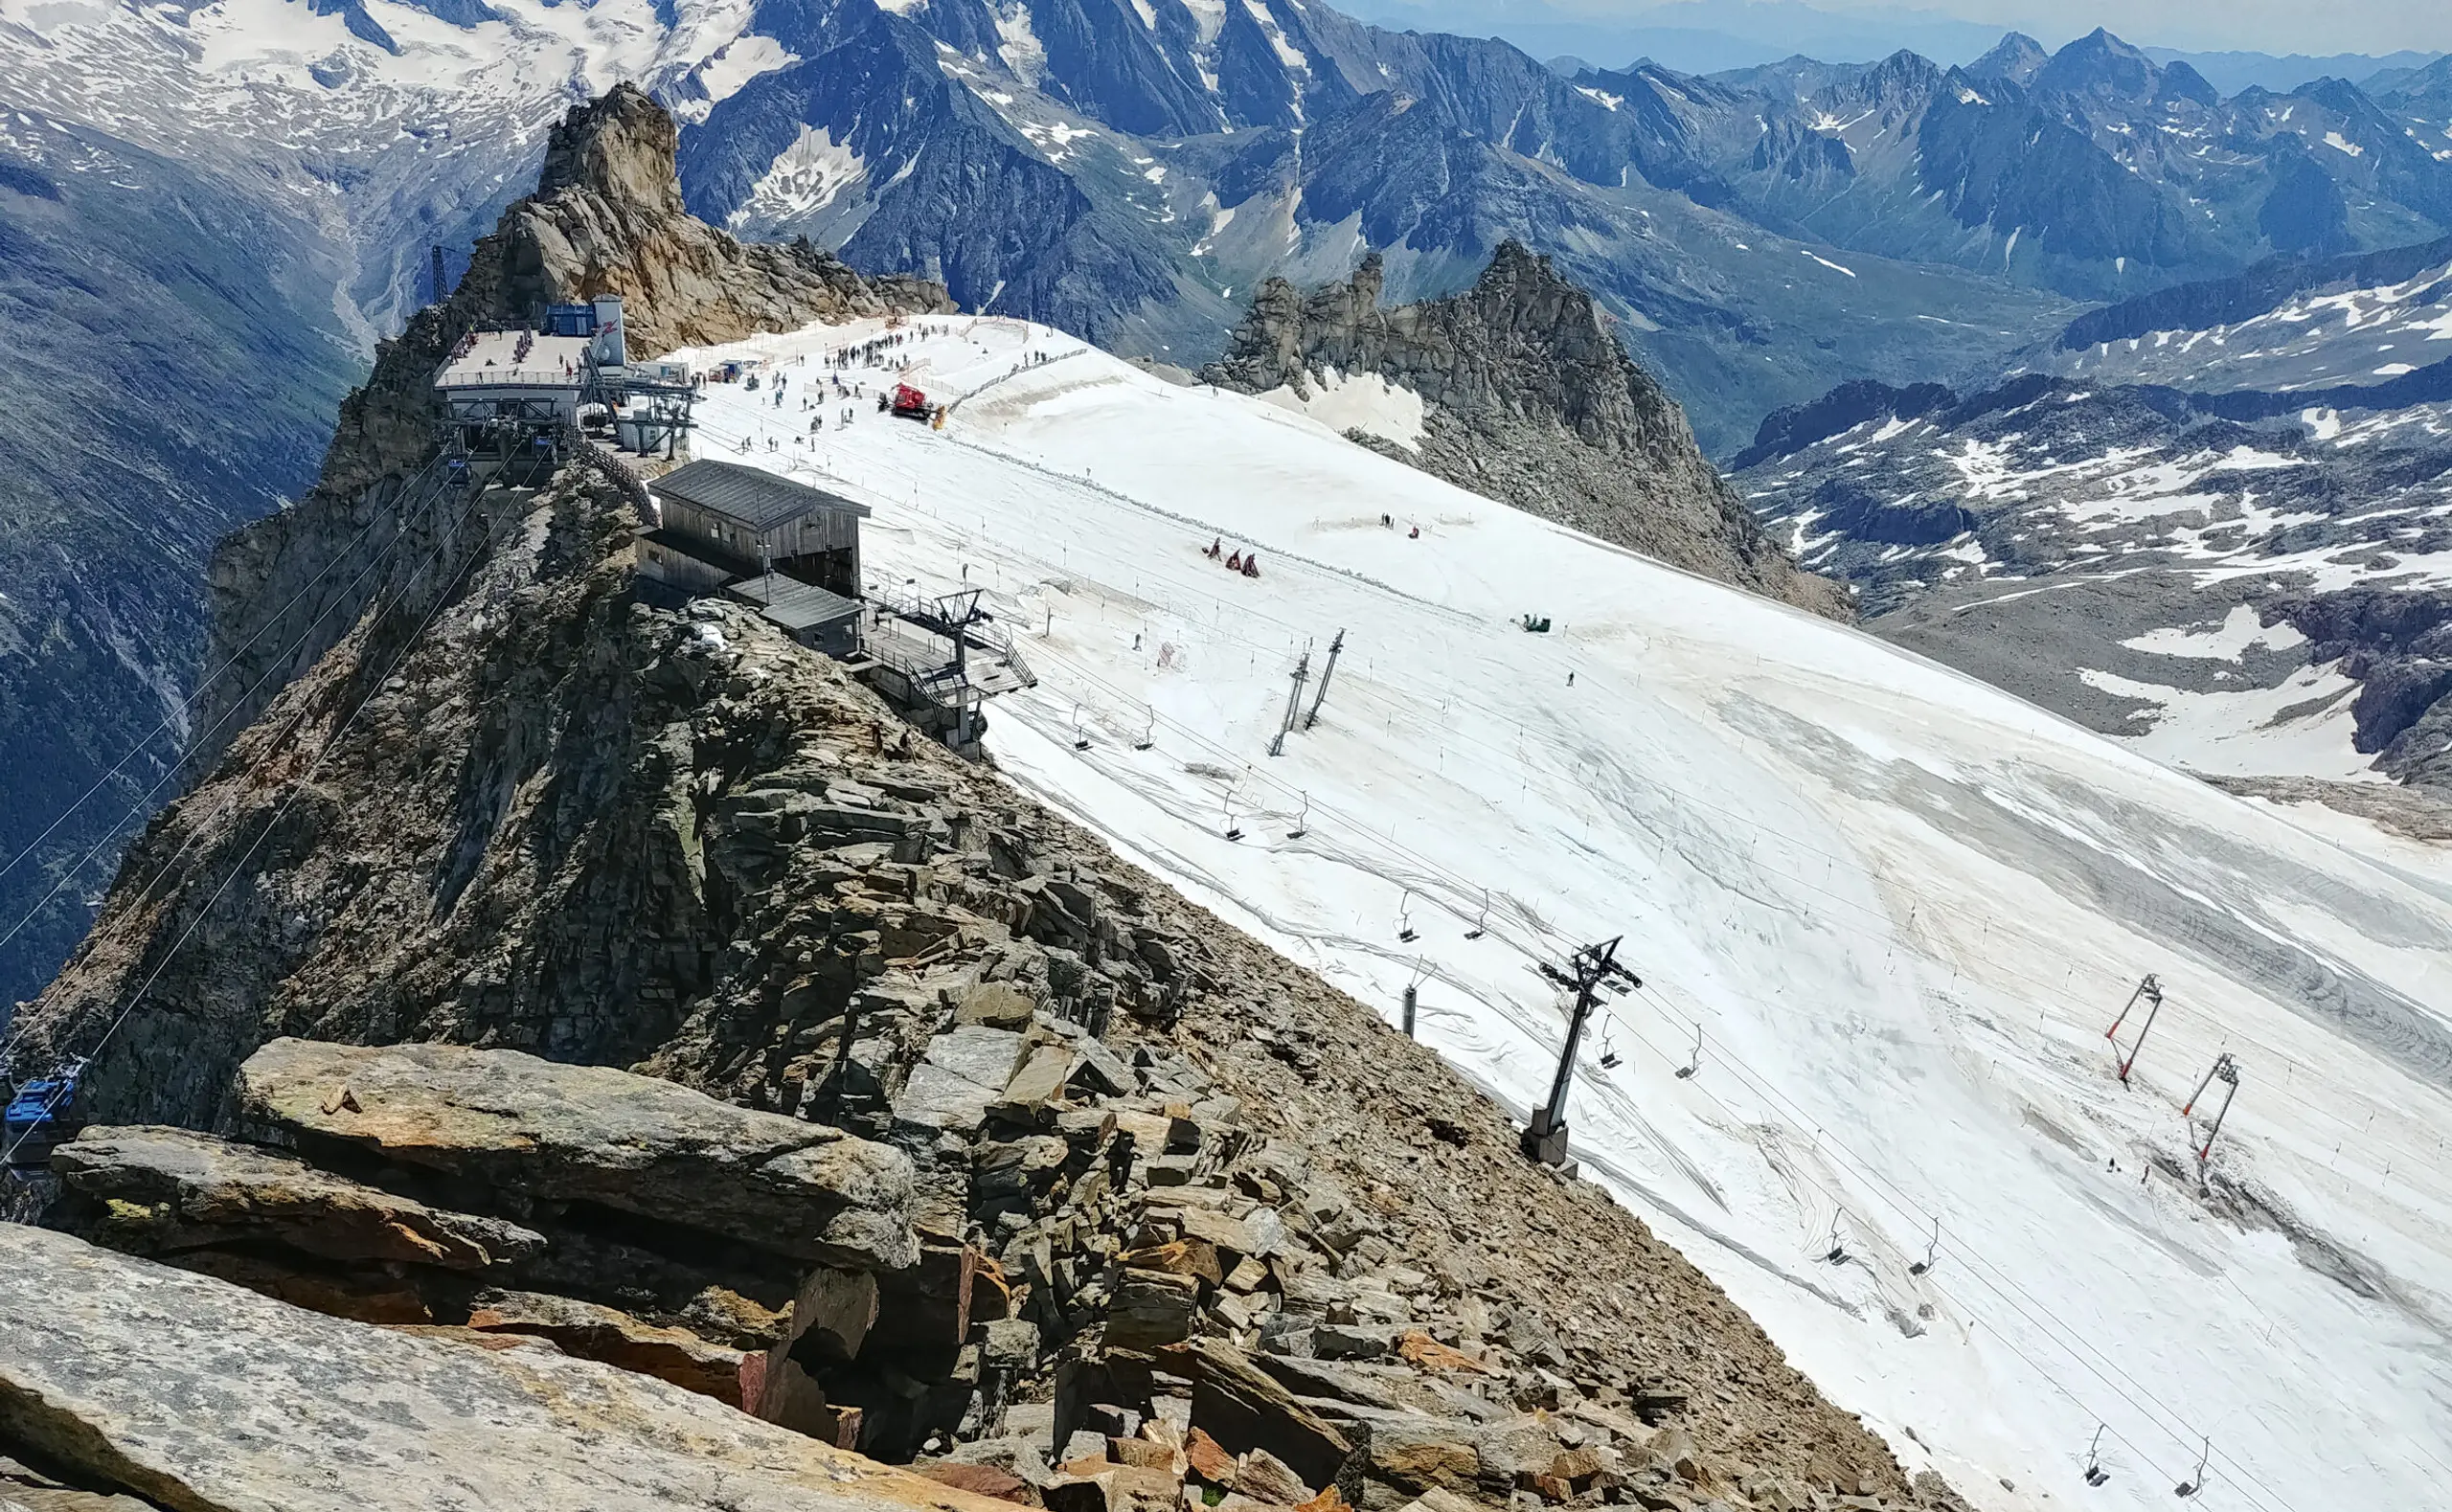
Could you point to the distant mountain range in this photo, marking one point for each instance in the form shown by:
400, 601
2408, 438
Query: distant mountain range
2216, 519
271, 181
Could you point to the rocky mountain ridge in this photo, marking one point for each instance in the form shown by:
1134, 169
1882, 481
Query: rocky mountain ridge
606, 218
564, 822
1526, 396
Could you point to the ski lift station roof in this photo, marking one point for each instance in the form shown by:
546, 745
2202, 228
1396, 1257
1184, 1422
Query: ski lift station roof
748, 498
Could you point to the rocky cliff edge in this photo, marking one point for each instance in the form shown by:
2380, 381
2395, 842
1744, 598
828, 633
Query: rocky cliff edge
1528, 400
606, 218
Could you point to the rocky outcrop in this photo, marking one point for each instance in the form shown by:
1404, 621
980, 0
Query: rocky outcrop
606, 218
191, 1393
579, 1134
164, 1190
739, 1254
1163, 1178
1528, 400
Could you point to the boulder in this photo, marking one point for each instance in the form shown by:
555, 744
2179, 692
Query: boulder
962, 1072
1151, 1308
1515, 1449
984, 1480
996, 1006
1244, 1408
1265, 1477
195, 1393
615, 1338
1207, 1459
589, 1134
1035, 1090
196, 1190
1354, 1341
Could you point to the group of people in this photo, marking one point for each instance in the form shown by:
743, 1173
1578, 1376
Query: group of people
1247, 563
1390, 521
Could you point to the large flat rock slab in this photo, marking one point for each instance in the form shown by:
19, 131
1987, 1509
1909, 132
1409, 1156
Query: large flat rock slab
199, 1189
199, 1396
637, 1144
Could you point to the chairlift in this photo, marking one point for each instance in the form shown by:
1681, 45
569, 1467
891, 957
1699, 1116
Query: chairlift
1481, 921
1302, 821
1694, 1062
1610, 1059
1081, 736
41, 1115
2095, 1473
1405, 930
1149, 734
1932, 1251
2194, 1485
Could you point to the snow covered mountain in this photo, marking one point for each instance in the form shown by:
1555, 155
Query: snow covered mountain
1882, 912
2218, 520
1131, 171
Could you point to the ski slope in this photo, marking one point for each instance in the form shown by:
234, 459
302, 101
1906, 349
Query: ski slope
1895, 908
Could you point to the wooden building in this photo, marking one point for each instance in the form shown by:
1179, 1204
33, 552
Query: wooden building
817, 617
750, 523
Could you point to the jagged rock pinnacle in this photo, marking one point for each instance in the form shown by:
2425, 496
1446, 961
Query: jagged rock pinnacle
621, 146
1529, 399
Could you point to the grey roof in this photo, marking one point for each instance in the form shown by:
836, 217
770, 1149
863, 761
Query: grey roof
754, 500
796, 605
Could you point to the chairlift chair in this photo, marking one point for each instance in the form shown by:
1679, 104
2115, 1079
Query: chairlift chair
42, 1116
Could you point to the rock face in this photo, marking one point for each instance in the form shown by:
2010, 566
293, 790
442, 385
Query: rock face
196, 1395
1529, 399
581, 1134
606, 218
1211, 1193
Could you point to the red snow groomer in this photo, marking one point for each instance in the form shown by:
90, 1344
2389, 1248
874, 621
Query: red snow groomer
910, 404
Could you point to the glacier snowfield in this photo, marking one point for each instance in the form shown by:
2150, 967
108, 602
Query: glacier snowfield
1885, 912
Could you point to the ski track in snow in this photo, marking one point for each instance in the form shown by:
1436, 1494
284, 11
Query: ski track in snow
1900, 905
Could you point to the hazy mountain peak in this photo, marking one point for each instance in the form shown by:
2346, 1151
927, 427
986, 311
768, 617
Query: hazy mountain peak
2017, 57
2100, 63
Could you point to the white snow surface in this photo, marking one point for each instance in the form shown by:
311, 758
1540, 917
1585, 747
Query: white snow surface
807, 176
2239, 630
2302, 726
1895, 907
1361, 401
